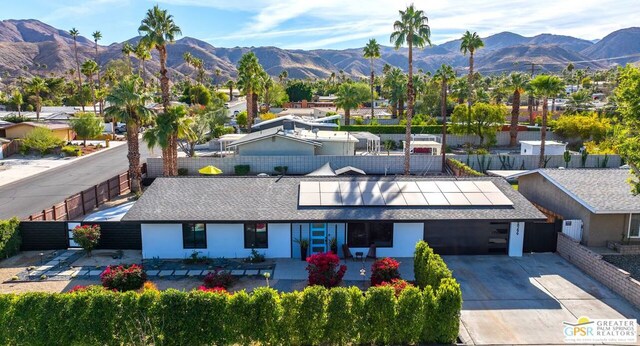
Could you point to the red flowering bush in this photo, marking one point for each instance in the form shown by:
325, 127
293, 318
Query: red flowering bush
398, 285
87, 237
213, 289
384, 270
324, 269
218, 278
81, 288
123, 278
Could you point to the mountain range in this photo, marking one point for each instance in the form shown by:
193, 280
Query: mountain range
30, 47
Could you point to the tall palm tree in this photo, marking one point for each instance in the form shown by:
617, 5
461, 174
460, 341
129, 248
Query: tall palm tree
283, 76
230, 84
97, 36
89, 69
393, 83
545, 86
217, 74
158, 29
37, 86
469, 44
444, 74
188, 59
412, 29
127, 49
349, 96
127, 104
143, 54
74, 34
249, 81
173, 124
372, 51
517, 82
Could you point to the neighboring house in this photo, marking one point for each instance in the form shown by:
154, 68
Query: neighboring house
292, 122
600, 198
277, 141
21, 130
307, 104
3, 126
550, 147
230, 216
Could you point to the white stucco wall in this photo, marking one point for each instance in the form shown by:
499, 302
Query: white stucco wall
405, 237
223, 240
336, 148
275, 146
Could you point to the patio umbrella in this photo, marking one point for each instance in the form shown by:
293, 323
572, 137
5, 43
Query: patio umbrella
210, 170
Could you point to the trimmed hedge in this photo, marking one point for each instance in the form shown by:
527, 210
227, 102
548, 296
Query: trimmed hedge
10, 239
314, 316
463, 169
393, 129
428, 267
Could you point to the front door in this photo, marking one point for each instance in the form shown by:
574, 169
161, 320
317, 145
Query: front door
318, 239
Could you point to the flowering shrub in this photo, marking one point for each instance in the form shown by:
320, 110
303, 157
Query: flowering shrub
81, 288
220, 290
384, 270
87, 237
149, 286
219, 278
397, 284
324, 270
123, 278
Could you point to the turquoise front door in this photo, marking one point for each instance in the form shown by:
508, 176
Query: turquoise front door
318, 239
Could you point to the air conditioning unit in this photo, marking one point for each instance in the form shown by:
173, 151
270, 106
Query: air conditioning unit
573, 229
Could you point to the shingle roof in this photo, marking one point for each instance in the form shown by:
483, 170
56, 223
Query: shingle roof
599, 190
237, 199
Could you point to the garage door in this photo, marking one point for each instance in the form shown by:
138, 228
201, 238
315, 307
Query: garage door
467, 237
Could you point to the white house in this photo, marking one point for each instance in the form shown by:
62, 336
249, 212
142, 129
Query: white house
550, 148
230, 216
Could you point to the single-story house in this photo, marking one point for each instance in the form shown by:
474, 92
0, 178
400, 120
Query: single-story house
550, 147
279, 141
3, 126
21, 130
292, 122
599, 199
230, 216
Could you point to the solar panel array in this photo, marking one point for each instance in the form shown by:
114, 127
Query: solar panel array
401, 193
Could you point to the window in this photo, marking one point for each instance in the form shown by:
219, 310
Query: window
194, 236
255, 236
634, 226
364, 234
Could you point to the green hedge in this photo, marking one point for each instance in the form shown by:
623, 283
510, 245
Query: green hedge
314, 316
9, 237
464, 169
428, 267
393, 129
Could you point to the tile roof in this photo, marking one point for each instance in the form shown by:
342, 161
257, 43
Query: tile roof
238, 199
599, 190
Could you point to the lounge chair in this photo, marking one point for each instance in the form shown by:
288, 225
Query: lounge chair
372, 252
346, 252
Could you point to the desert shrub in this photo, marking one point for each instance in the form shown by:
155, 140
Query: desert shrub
463, 169
10, 239
123, 278
242, 169
87, 236
281, 169
42, 140
267, 116
219, 279
183, 171
325, 269
71, 150
384, 270
398, 285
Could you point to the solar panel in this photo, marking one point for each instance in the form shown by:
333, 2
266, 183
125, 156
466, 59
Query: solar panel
372, 199
388, 186
427, 186
408, 186
447, 186
477, 198
329, 186
435, 198
352, 198
467, 186
369, 187
308, 199
309, 186
456, 198
487, 186
331, 199
349, 187
414, 198
393, 199
498, 198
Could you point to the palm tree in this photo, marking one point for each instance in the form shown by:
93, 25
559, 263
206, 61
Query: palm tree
372, 51
90, 68
217, 73
127, 104
545, 86
469, 44
393, 83
230, 84
283, 76
249, 81
188, 59
518, 83
142, 53
127, 49
16, 98
173, 124
444, 74
74, 34
97, 36
349, 97
159, 29
37, 86
412, 29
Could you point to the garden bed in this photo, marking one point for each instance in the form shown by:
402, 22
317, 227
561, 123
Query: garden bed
628, 263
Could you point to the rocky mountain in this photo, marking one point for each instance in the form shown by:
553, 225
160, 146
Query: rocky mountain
30, 47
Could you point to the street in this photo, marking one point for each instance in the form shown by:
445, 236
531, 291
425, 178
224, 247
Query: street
29, 195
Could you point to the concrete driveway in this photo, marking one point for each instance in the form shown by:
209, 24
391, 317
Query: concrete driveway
525, 300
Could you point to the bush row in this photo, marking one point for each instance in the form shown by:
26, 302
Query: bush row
428, 267
9, 237
314, 316
463, 169
393, 129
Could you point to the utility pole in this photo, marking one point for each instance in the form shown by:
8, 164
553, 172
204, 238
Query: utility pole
531, 99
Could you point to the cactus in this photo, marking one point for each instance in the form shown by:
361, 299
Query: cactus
484, 164
567, 158
507, 162
583, 158
546, 160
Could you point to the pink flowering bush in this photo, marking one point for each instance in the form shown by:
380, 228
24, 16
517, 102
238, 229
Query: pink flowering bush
219, 290
397, 284
324, 269
384, 270
123, 278
87, 237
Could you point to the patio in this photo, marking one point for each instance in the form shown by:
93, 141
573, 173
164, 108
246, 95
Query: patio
294, 269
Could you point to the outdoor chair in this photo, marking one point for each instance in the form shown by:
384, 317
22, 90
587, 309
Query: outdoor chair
346, 252
372, 252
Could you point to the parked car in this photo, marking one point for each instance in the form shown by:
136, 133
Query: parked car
120, 129
226, 105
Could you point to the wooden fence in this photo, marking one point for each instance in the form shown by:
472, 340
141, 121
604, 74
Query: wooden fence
82, 203
8, 149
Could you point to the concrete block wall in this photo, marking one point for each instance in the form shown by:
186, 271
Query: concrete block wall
592, 263
517, 162
379, 164
502, 138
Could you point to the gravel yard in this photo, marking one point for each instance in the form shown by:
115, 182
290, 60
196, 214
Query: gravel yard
629, 263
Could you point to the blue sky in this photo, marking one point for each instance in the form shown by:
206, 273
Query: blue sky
310, 24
